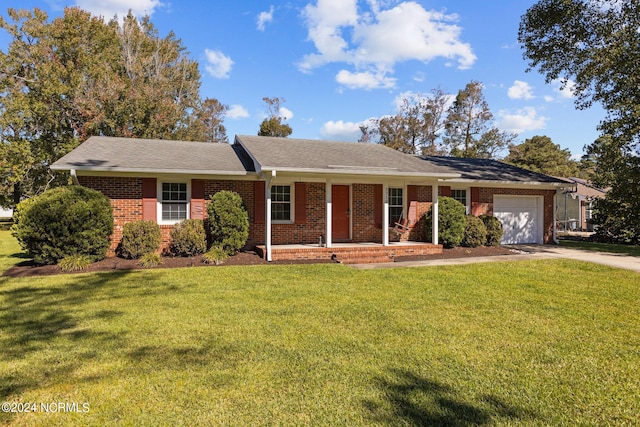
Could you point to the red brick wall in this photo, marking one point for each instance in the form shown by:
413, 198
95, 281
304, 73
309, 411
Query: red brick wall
125, 195
126, 199
363, 220
306, 233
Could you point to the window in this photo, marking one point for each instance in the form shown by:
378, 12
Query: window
588, 212
281, 202
395, 205
459, 195
174, 201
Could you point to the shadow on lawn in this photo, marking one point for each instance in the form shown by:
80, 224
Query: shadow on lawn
53, 319
418, 401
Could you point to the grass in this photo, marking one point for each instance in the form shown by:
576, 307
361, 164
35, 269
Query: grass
530, 343
601, 247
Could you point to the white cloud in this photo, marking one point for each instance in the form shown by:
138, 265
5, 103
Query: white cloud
108, 8
218, 64
365, 80
285, 113
379, 39
343, 131
520, 90
325, 22
409, 32
548, 98
525, 119
565, 90
264, 18
237, 111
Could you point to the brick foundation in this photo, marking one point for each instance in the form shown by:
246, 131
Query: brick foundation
351, 254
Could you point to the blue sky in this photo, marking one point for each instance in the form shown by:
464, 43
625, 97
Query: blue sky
339, 63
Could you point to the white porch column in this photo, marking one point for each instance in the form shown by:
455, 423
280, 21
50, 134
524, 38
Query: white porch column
385, 215
555, 216
267, 233
434, 211
329, 213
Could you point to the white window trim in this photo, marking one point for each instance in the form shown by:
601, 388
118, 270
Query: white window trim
292, 201
160, 201
467, 204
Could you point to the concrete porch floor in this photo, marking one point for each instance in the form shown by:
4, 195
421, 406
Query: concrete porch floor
349, 253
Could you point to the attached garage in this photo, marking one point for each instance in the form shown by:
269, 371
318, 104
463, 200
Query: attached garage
521, 218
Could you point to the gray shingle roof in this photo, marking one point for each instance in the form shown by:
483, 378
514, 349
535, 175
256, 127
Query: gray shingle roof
251, 153
490, 170
304, 155
100, 153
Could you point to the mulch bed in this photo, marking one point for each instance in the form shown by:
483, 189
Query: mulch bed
28, 268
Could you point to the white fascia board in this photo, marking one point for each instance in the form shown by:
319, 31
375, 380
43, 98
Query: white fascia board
377, 172
492, 183
152, 170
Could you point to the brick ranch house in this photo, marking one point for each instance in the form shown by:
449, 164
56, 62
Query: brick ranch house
309, 198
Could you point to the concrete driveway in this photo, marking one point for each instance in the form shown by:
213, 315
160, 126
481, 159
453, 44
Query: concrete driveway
626, 262
524, 252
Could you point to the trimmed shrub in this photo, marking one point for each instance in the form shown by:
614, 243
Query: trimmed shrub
188, 238
494, 229
139, 238
64, 221
150, 259
475, 233
74, 263
228, 221
451, 222
216, 255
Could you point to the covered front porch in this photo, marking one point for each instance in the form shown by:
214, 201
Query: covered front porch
350, 253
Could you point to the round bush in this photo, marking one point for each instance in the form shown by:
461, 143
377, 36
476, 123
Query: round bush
494, 230
62, 222
451, 222
228, 221
475, 233
188, 238
139, 238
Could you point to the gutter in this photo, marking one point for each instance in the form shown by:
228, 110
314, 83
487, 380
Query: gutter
74, 177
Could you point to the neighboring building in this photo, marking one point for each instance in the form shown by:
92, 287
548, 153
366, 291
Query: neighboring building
574, 206
303, 192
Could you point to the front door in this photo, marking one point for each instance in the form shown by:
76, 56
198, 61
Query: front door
340, 212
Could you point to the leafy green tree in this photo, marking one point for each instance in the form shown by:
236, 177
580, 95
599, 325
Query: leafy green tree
594, 45
415, 128
208, 122
468, 126
540, 154
273, 124
76, 76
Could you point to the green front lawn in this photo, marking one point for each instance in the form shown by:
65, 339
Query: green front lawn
601, 247
531, 342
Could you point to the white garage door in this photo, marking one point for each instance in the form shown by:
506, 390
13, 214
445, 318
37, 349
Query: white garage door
521, 218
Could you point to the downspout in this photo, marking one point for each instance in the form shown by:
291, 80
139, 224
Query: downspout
328, 214
555, 214
74, 177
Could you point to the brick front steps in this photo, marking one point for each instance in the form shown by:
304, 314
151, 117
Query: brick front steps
351, 253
